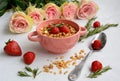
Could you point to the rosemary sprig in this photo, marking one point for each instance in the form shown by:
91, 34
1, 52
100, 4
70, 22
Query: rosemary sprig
98, 73
23, 74
32, 72
89, 23
93, 31
35, 72
100, 29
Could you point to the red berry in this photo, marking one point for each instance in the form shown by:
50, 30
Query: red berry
96, 66
96, 45
96, 24
54, 30
64, 29
28, 57
12, 48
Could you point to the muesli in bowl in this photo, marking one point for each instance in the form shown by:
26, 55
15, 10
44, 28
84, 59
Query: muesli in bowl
57, 35
60, 30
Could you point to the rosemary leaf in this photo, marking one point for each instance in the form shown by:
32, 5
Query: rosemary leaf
23, 74
98, 73
28, 69
89, 24
104, 69
35, 72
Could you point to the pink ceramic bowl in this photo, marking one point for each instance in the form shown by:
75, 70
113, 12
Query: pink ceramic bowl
57, 45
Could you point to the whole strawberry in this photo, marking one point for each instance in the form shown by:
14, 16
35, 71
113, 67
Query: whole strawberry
96, 24
96, 66
29, 57
64, 29
97, 44
12, 48
54, 30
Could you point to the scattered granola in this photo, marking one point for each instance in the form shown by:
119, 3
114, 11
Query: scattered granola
62, 65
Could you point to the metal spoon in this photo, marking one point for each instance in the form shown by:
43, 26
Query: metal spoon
74, 74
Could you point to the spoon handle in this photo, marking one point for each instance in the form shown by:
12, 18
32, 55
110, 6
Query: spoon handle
74, 74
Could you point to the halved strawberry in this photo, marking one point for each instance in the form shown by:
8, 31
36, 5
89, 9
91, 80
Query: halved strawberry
54, 30
64, 29
29, 57
12, 48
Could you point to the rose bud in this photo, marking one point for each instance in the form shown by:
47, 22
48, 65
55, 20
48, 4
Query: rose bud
69, 10
20, 22
52, 11
87, 10
37, 14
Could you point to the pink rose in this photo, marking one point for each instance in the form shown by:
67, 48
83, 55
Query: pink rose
69, 10
87, 10
20, 23
52, 11
37, 14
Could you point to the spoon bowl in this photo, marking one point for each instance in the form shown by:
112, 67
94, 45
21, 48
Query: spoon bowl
74, 74
102, 37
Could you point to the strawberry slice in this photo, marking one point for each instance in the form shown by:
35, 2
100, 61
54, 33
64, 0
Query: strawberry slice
12, 48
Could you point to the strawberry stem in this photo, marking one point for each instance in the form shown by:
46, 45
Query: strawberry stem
8, 41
